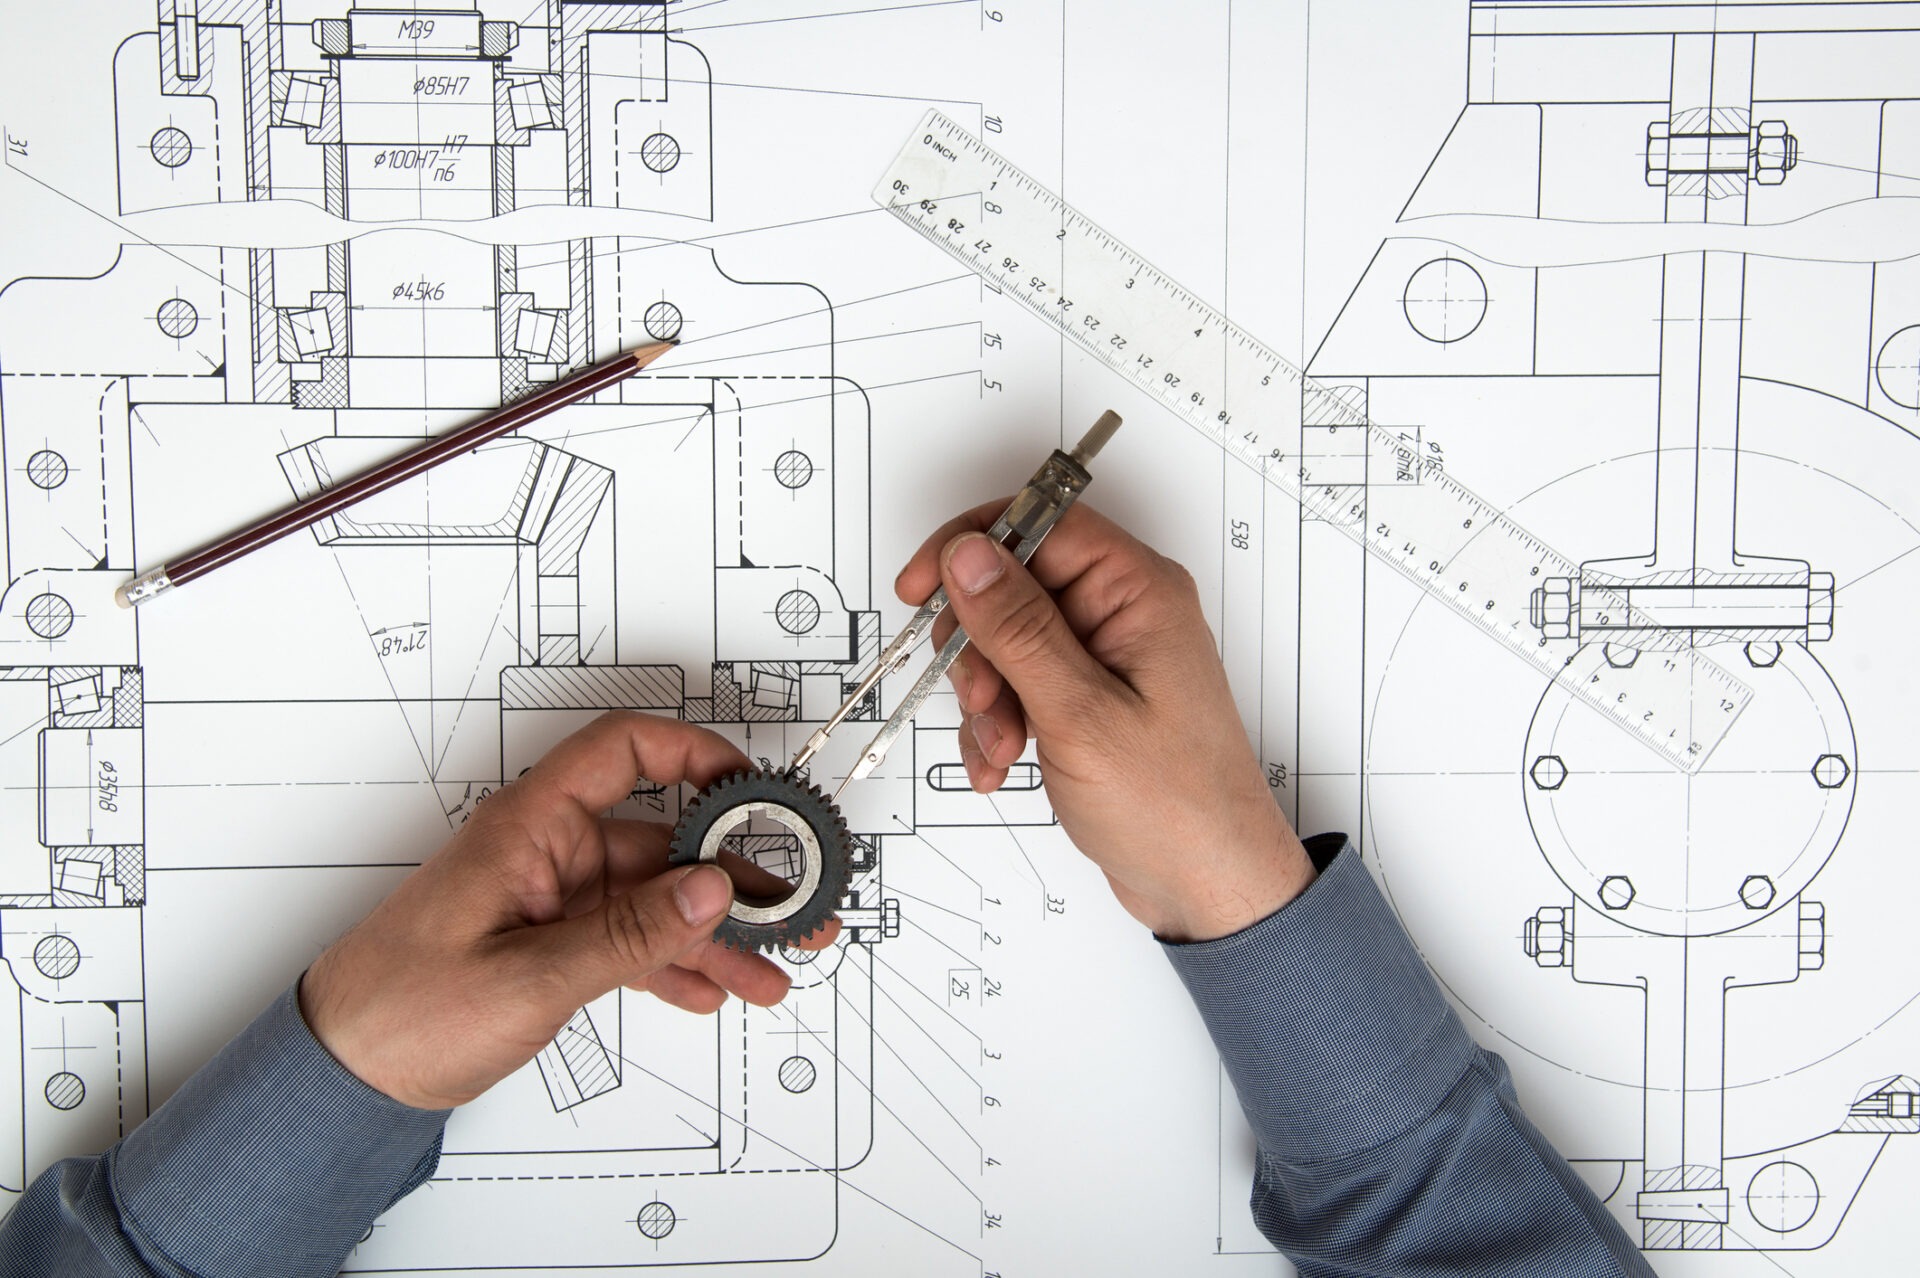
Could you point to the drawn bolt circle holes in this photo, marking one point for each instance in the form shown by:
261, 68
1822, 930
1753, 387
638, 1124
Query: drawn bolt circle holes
656, 1220
177, 318
49, 615
1756, 892
797, 612
1616, 892
797, 1074
57, 957
662, 321
660, 152
793, 468
1445, 300
47, 469
170, 147
1783, 1196
1762, 656
1897, 368
1548, 772
1830, 771
65, 1091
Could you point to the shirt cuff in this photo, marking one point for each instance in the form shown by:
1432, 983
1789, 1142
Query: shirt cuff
1332, 1029
271, 1159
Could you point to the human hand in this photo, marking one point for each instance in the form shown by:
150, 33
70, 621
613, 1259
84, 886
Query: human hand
1102, 656
538, 905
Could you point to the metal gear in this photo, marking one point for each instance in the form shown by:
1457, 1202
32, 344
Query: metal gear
823, 849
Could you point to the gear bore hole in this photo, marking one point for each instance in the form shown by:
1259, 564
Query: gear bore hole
765, 858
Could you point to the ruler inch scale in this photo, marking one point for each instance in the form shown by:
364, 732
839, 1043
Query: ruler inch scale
1387, 488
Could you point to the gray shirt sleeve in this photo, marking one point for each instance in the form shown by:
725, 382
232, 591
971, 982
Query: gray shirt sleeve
271, 1159
1389, 1142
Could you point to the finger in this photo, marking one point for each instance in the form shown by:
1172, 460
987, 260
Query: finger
597, 766
823, 936
981, 775
1083, 540
632, 853
975, 682
686, 989
1000, 731
1016, 625
628, 938
753, 978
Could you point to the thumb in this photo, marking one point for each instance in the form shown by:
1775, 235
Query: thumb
1017, 626
627, 938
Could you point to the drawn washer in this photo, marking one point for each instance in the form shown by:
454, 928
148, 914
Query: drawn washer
823, 851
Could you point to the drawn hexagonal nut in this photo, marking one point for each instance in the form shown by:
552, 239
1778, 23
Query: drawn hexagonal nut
1616, 892
1830, 771
1549, 772
1547, 937
1813, 936
1659, 144
1762, 655
1819, 606
1773, 152
1756, 892
1552, 607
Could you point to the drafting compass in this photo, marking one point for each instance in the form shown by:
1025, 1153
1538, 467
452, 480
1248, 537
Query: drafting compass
821, 847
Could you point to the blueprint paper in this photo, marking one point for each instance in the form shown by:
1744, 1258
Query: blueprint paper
1644, 268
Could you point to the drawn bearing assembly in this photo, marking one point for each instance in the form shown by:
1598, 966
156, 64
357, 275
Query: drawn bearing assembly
812, 844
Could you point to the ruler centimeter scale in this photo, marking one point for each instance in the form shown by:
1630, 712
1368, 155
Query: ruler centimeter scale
1387, 488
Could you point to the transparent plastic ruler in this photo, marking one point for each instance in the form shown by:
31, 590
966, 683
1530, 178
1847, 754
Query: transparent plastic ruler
1388, 488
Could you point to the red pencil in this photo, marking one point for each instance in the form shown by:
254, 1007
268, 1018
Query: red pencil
384, 476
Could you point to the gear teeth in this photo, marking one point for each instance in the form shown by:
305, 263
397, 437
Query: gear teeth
801, 800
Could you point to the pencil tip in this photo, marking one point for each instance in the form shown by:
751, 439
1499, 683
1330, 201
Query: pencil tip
645, 355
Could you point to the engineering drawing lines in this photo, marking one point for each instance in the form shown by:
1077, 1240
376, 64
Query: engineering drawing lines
1726, 433
695, 546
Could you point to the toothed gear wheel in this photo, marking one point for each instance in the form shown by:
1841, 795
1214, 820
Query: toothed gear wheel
824, 851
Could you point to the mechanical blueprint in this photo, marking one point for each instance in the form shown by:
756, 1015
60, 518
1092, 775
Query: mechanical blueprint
1646, 270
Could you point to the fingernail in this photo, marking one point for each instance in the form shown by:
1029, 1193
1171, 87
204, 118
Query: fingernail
987, 733
962, 680
702, 894
974, 563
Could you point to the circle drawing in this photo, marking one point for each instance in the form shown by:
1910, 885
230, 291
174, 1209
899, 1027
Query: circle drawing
656, 1220
47, 469
797, 612
793, 468
1783, 1196
170, 147
57, 957
65, 1091
1445, 300
1897, 368
660, 152
662, 321
797, 1074
797, 956
177, 318
49, 616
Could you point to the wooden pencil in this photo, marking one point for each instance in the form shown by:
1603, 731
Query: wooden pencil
301, 514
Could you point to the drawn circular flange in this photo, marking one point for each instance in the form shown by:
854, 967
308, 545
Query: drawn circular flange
656, 1220
662, 321
1783, 1196
1445, 300
57, 957
65, 1090
170, 147
47, 469
820, 855
49, 615
660, 152
177, 318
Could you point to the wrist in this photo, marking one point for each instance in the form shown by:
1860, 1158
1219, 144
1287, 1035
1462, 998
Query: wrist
1248, 879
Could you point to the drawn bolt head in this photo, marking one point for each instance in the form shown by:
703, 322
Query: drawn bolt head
1813, 936
1762, 656
1551, 607
1616, 892
1756, 892
1547, 937
1830, 771
1548, 772
1619, 656
1819, 606
1773, 152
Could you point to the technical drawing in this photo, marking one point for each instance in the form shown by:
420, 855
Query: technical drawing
1725, 457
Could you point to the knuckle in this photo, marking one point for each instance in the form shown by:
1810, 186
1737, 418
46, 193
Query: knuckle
1028, 631
631, 932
